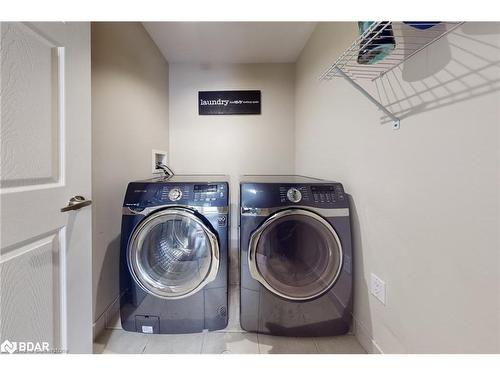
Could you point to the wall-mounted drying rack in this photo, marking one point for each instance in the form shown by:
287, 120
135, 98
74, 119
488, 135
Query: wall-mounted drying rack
410, 38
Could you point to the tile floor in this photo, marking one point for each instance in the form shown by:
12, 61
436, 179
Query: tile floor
230, 340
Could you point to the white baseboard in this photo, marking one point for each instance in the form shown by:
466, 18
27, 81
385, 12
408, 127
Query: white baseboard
365, 338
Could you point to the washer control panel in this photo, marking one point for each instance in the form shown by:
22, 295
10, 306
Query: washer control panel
143, 194
207, 193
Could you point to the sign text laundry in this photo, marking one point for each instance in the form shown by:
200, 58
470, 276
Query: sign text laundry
229, 102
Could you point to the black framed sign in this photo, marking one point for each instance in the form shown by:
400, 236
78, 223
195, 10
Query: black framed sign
234, 102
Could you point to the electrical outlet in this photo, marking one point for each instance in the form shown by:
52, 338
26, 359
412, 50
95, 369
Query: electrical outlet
377, 288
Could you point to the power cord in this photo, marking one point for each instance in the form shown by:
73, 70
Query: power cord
166, 170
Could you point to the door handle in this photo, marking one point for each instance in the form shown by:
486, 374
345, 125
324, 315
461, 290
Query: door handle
75, 203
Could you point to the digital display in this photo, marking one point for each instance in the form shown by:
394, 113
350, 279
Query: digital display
205, 188
322, 189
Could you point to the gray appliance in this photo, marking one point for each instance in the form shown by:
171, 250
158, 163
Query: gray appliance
296, 256
173, 262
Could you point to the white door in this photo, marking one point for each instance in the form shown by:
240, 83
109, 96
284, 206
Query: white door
45, 255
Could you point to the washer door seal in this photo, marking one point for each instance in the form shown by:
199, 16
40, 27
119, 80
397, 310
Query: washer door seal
173, 254
295, 254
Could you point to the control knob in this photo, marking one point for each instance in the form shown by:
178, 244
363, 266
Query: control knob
175, 194
294, 195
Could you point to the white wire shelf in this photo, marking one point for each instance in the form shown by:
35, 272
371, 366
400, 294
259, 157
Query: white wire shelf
407, 39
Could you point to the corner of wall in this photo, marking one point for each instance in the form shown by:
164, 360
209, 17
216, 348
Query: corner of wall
130, 107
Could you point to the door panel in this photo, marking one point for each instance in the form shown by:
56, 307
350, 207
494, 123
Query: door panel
31, 90
173, 254
31, 302
295, 254
45, 255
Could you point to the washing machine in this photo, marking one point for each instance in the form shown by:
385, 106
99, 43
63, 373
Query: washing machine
296, 256
174, 251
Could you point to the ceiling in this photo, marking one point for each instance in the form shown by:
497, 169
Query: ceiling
230, 42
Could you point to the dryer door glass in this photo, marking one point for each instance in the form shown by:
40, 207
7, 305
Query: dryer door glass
296, 254
173, 254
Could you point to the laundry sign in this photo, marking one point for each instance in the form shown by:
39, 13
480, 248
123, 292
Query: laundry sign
233, 102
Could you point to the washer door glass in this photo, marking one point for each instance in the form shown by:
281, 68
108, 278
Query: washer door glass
173, 254
295, 254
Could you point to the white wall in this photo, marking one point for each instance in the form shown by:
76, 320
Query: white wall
235, 144
129, 119
426, 197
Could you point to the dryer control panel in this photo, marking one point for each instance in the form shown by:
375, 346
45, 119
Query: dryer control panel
321, 195
328, 193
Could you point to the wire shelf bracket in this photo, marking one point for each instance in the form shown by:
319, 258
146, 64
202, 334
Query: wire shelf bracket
396, 121
409, 39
